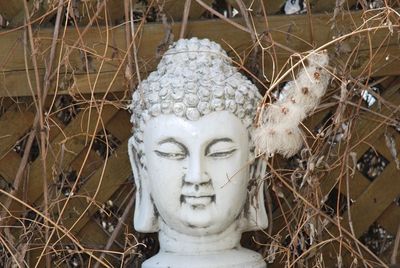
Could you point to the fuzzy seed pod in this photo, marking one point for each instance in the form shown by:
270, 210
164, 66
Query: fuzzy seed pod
279, 131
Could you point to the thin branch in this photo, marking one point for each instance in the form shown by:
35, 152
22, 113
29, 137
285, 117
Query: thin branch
393, 258
185, 18
222, 17
121, 222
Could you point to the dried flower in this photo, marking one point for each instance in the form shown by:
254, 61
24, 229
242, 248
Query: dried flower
279, 131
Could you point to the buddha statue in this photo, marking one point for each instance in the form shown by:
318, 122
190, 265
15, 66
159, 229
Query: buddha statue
199, 184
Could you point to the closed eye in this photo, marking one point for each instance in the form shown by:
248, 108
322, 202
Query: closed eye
222, 154
171, 155
170, 148
221, 148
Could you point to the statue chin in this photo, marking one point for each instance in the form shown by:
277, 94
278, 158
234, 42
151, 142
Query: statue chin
233, 258
219, 250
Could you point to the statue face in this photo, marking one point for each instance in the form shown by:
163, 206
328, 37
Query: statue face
197, 170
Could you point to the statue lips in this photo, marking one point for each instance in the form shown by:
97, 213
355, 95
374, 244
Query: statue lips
198, 201
197, 195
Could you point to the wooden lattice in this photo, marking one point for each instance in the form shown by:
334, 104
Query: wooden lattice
84, 177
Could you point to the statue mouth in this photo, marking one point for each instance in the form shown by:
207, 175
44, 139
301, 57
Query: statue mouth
197, 201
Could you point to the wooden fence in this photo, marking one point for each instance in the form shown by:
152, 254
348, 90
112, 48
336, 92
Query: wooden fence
85, 180
373, 184
86, 164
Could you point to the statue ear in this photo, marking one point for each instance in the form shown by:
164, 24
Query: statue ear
145, 218
256, 215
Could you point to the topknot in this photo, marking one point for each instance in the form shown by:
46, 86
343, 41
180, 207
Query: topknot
194, 77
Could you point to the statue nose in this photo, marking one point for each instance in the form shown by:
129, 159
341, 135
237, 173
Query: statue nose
196, 174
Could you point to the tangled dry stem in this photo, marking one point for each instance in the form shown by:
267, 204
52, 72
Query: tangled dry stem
311, 225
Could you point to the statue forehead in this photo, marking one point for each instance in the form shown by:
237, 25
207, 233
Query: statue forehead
214, 125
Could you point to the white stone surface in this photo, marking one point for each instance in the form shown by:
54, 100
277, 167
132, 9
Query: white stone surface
232, 258
192, 156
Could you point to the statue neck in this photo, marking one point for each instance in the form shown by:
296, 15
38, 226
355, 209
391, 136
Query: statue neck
173, 241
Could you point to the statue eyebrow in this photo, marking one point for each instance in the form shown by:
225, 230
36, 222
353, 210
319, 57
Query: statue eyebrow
216, 141
177, 143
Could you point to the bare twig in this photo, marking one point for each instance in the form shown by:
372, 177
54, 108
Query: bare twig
219, 15
393, 258
185, 18
117, 229
128, 37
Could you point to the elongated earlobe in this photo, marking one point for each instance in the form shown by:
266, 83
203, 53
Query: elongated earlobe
255, 216
145, 218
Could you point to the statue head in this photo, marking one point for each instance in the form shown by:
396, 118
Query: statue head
191, 151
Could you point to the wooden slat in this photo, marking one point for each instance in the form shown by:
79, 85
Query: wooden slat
96, 238
95, 235
383, 62
74, 137
374, 200
9, 166
281, 29
116, 172
12, 60
92, 163
70, 160
390, 218
93, 238
13, 124
78, 126
5, 103
120, 126
365, 211
86, 9
13, 11
371, 199
120, 198
358, 183
174, 9
318, 6
106, 82
274, 6
271, 7
366, 128
9, 161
